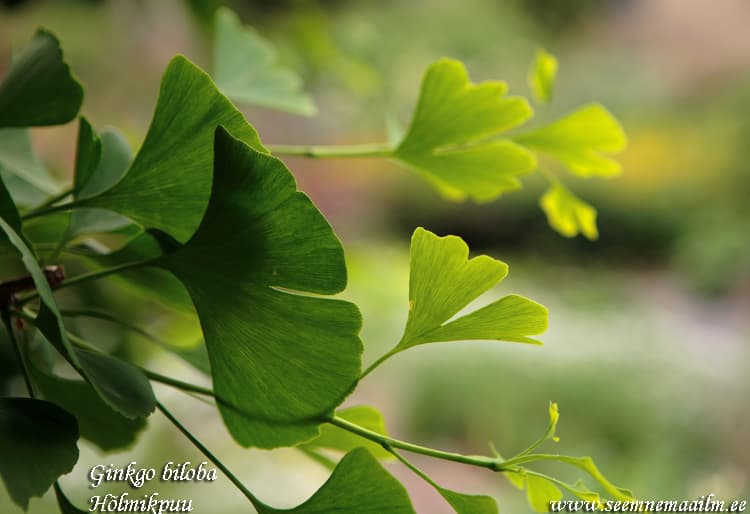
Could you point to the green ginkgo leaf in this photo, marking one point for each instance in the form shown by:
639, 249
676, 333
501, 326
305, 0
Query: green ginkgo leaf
541, 492
449, 139
568, 214
281, 358
39, 88
469, 503
581, 140
443, 281
335, 438
358, 484
245, 69
24, 175
542, 75
38, 444
168, 184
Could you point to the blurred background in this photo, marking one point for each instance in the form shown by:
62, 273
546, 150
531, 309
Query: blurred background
647, 351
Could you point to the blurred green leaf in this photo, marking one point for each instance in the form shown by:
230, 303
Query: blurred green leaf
568, 214
442, 281
38, 443
88, 154
169, 182
97, 421
245, 69
25, 177
540, 492
39, 88
336, 438
358, 484
447, 142
581, 140
542, 75
267, 337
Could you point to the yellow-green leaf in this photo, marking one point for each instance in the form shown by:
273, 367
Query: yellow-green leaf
542, 75
568, 214
540, 492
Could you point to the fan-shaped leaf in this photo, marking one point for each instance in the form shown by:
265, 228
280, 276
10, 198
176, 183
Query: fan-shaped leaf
469, 503
568, 214
39, 88
358, 484
542, 75
280, 358
447, 141
168, 185
442, 282
581, 140
246, 71
25, 177
37, 443
540, 492
335, 438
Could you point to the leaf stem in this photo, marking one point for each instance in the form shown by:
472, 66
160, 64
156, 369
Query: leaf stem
259, 505
178, 384
44, 211
52, 200
17, 350
377, 363
364, 150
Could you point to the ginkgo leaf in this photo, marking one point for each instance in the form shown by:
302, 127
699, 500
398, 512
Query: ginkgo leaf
358, 484
39, 88
581, 140
542, 75
469, 503
443, 281
568, 214
335, 438
24, 175
448, 139
541, 492
38, 444
168, 184
245, 69
88, 154
281, 359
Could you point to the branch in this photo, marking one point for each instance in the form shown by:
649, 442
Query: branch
366, 150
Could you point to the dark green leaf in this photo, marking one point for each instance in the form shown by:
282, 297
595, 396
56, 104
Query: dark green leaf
447, 141
39, 88
88, 154
37, 444
280, 358
168, 185
358, 484
8, 210
335, 438
246, 71
97, 421
581, 141
443, 281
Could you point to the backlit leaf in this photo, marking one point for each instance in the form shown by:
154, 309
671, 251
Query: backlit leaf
540, 492
581, 140
38, 444
447, 141
24, 175
39, 88
358, 484
443, 281
245, 69
542, 75
335, 438
568, 214
168, 184
280, 358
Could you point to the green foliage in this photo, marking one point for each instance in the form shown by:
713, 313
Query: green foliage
211, 226
39, 88
245, 69
542, 75
38, 444
447, 141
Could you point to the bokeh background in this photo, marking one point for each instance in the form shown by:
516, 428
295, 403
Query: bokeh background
648, 347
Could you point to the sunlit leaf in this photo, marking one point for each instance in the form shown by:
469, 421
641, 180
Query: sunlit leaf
568, 214
443, 281
469, 503
358, 484
39, 88
280, 358
168, 184
542, 75
245, 69
38, 444
24, 175
582, 141
336, 438
447, 141
540, 492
